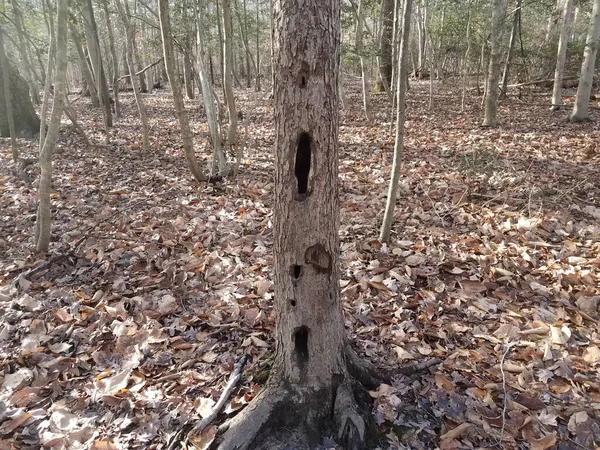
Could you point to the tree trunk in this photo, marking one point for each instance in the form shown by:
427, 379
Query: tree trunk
511, 48
228, 75
309, 392
91, 34
388, 217
25, 118
8, 101
465, 68
257, 50
184, 124
562, 54
115, 60
490, 118
84, 65
584, 89
24, 53
131, 65
42, 226
363, 71
385, 46
210, 102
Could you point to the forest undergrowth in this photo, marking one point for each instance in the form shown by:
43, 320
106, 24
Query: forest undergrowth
159, 284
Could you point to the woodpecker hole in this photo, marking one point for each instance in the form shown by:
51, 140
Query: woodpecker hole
296, 271
293, 302
302, 166
302, 81
301, 343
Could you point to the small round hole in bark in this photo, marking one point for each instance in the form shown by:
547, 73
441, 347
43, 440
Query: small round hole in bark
301, 343
302, 165
293, 302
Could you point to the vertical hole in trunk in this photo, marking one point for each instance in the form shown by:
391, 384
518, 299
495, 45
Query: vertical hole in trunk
296, 271
302, 166
301, 343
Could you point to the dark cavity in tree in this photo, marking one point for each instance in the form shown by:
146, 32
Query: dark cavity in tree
302, 167
301, 343
296, 271
292, 302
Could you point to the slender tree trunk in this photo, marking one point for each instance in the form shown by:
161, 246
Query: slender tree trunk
85, 67
584, 89
169, 53
245, 42
490, 118
44, 217
131, 65
360, 50
221, 47
228, 73
562, 55
388, 217
385, 59
91, 33
257, 49
48, 82
465, 68
209, 100
272, 27
511, 48
8, 100
115, 60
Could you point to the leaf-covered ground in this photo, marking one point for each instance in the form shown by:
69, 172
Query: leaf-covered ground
163, 283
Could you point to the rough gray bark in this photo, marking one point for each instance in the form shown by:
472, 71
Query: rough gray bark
42, 235
584, 89
490, 118
511, 47
562, 54
25, 118
309, 392
8, 101
184, 123
385, 46
388, 217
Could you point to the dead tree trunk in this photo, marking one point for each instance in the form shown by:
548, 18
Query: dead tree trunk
309, 394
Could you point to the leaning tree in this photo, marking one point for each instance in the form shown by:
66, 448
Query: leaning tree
311, 391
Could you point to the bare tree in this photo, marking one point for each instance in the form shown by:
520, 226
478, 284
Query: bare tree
511, 47
44, 215
184, 123
490, 118
388, 217
363, 70
228, 75
8, 100
584, 89
561, 56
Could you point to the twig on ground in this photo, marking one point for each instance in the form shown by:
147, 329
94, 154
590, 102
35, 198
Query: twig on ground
234, 378
415, 368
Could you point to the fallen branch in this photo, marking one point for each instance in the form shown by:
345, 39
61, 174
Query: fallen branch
564, 105
149, 66
536, 82
234, 378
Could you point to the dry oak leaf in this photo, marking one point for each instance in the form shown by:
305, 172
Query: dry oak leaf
456, 432
103, 445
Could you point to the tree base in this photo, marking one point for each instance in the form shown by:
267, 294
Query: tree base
576, 119
281, 417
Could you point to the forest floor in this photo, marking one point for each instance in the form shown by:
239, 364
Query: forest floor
493, 267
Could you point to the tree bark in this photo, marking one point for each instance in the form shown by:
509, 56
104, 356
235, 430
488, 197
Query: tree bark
91, 34
511, 48
388, 217
363, 70
584, 89
24, 53
8, 101
309, 393
84, 65
490, 118
562, 54
257, 49
228, 75
115, 60
25, 118
131, 65
385, 46
465, 68
43, 222
184, 124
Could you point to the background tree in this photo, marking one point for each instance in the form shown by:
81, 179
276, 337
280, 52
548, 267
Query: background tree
10, 119
490, 117
562, 54
584, 89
